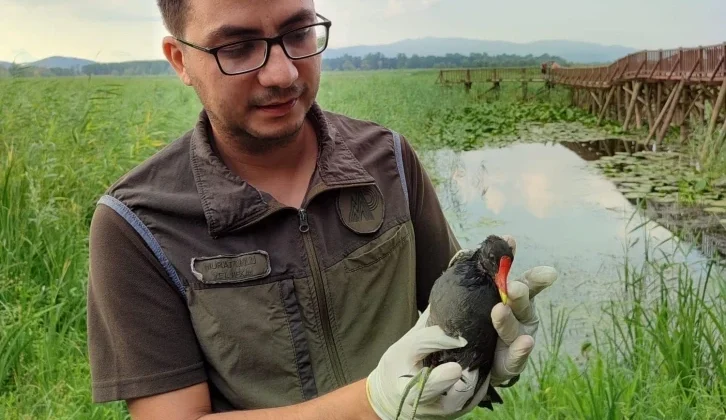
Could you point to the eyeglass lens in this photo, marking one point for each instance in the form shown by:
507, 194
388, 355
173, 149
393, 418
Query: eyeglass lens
248, 55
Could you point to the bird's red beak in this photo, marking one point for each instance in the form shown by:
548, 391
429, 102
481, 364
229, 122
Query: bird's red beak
501, 278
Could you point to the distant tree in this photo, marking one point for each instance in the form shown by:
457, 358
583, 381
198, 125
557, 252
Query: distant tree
372, 61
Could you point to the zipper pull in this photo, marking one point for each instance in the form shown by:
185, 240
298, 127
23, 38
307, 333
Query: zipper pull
304, 227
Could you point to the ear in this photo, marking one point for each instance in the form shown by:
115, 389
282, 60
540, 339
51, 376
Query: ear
175, 55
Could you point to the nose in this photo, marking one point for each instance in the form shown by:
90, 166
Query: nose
279, 71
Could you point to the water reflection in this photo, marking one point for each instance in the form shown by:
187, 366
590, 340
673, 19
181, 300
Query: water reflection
562, 212
594, 150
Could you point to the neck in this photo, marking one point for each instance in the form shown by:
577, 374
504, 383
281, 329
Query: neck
284, 157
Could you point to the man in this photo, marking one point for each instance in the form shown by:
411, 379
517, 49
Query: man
272, 262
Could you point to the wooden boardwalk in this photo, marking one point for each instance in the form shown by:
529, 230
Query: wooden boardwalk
495, 76
661, 89
491, 75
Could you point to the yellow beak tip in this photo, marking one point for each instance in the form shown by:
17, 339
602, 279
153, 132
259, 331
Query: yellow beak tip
504, 297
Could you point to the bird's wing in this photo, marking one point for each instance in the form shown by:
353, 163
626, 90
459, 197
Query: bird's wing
447, 298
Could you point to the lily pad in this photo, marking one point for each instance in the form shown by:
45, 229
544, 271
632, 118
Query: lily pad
715, 210
667, 189
666, 199
628, 184
720, 183
644, 188
716, 203
633, 179
636, 195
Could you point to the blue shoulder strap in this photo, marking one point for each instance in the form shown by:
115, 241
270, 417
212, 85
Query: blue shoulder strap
399, 164
146, 234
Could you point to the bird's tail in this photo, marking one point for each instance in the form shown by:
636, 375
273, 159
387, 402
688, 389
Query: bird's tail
491, 396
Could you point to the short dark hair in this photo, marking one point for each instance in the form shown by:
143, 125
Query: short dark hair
174, 12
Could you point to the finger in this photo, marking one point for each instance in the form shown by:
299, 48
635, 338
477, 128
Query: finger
512, 243
432, 339
467, 382
442, 378
511, 361
480, 394
461, 392
538, 279
519, 302
505, 323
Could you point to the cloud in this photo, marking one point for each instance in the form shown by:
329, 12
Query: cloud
495, 200
93, 10
399, 7
22, 56
536, 189
125, 55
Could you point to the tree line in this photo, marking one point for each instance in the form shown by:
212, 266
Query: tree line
376, 61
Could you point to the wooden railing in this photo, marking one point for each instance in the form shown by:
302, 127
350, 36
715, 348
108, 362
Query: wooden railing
491, 75
662, 89
699, 65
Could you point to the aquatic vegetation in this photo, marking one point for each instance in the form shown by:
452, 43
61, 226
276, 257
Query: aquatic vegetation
63, 141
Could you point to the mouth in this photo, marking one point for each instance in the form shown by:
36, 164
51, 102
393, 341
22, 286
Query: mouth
279, 108
505, 264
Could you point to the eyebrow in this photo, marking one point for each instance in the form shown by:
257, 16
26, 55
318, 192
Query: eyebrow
225, 32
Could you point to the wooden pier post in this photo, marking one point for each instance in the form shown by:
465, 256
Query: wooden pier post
633, 102
717, 109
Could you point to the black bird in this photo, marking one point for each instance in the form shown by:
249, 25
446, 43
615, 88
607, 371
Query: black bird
461, 303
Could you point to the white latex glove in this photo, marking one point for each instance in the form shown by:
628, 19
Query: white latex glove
385, 385
517, 322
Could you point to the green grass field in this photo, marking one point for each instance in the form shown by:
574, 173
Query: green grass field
63, 141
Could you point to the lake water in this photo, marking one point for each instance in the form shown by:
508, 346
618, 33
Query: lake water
563, 214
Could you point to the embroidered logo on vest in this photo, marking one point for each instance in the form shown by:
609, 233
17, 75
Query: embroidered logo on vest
232, 268
361, 209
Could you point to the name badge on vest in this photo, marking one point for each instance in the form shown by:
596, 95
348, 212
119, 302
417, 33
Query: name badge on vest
232, 268
361, 209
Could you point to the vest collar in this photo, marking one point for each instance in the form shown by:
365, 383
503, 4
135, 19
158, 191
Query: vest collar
230, 203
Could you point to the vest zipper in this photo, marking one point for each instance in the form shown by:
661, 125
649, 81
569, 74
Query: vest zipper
321, 298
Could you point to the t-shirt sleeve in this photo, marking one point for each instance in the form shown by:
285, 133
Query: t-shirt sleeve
435, 241
140, 338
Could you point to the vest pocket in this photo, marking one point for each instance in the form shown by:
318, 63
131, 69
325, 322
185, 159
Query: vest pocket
377, 249
372, 296
254, 341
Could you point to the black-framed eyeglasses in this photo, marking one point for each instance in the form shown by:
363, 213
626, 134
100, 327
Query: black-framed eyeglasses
252, 54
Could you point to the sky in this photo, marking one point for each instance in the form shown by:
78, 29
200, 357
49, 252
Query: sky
121, 30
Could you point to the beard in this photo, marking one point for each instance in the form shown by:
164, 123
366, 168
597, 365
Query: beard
245, 138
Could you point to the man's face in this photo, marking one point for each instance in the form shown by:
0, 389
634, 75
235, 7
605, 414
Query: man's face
239, 105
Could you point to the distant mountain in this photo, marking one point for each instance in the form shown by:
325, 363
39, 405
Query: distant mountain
573, 51
434, 49
61, 63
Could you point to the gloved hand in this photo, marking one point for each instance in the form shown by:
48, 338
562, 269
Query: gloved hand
517, 322
386, 384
